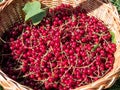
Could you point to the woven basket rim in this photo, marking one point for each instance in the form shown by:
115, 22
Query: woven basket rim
116, 75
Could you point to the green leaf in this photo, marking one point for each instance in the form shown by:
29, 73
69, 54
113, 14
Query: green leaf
32, 6
95, 47
34, 12
1, 88
37, 18
113, 37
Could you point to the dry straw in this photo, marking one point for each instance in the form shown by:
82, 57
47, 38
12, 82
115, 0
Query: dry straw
10, 12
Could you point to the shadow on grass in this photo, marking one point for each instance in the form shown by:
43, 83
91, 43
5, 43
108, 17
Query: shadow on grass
116, 86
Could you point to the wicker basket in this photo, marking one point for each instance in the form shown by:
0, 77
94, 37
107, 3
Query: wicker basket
10, 12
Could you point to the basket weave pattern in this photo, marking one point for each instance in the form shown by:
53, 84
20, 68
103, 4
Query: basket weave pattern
11, 12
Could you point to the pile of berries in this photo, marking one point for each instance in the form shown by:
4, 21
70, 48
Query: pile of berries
68, 49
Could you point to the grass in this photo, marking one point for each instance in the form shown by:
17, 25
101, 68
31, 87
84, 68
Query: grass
1, 88
116, 86
117, 4
1, 0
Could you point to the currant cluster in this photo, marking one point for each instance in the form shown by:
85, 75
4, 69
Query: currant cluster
66, 50
10, 66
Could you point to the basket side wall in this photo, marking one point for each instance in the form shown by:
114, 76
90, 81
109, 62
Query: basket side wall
11, 14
